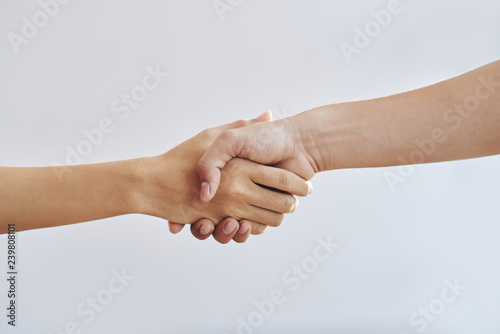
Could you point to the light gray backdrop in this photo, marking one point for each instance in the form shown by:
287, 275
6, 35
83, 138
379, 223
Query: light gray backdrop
399, 248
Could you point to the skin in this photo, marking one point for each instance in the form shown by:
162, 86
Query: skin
164, 186
454, 119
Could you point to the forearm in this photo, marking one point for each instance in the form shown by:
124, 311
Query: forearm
455, 119
52, 196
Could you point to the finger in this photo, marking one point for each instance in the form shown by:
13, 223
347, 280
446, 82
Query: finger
243, 231
175, 227
202, 229
228, 145
226, 230
280, 179
272, 200
301, 167
257, 228
264, 216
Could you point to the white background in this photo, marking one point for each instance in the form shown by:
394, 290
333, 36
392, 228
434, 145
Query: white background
397, 248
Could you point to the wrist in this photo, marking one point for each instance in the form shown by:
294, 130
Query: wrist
143, 189
167, 187
315, 134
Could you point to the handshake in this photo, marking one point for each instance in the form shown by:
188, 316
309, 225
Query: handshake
249, 172
235, 180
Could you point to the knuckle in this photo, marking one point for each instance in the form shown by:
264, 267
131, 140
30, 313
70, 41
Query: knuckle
285, 205
283, 180
235, 166
226, 136
201, 166
275, 201
240, 123
210, 134
207, 132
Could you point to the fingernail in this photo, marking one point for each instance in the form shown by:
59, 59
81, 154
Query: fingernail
205, 191
229, 228
265, 116
204, 230
244, 229
309, 188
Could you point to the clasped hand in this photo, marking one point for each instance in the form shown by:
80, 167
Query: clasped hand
250, 196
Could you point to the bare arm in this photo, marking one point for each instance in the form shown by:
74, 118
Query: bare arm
164, 186
455, 119
52, 196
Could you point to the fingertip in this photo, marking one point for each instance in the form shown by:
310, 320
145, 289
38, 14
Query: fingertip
202, 229
295, 205
209, 174
226, 230
208, 191
244, 227
230, 226
243, 232
175, 227
310, 187
265, 117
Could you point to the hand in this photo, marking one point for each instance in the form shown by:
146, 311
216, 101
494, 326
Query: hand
228, 229
278, 143
171, 186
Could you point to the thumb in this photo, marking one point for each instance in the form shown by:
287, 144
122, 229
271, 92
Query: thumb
227, 146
